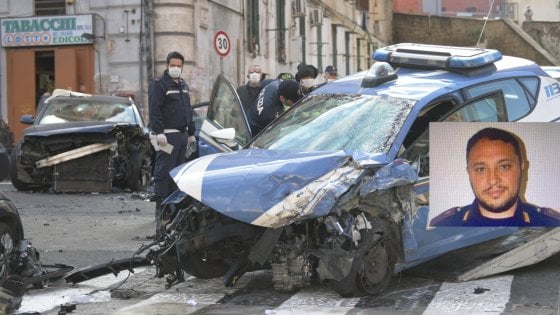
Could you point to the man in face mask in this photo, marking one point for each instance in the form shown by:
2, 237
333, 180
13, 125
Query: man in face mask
249, 91
306, 77
171, 119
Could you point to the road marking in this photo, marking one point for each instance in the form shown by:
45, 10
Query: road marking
91, 291
315, 300
488, 296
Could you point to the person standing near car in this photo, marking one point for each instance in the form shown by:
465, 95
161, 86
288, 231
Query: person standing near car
306, 75
249, 91
171, 119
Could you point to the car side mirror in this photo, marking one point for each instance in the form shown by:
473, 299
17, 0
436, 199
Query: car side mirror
226, 136
27, 119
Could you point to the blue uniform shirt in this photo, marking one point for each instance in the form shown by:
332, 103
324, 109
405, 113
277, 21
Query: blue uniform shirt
170, 105
266, 107
525, 215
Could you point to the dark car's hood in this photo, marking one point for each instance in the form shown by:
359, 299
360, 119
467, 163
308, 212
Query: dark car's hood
266, 187
71, 128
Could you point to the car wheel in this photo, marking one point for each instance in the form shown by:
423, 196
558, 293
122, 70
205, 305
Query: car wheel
18, 184
196, 265
4, 164
370, 273
137, 176
7, 243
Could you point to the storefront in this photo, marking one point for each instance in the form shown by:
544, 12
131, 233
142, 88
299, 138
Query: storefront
43, 53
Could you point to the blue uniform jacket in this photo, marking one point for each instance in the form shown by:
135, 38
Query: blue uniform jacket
170, 105
525, 215
266, 107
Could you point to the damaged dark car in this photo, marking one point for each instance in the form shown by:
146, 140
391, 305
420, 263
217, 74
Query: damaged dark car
83, 143
6, 145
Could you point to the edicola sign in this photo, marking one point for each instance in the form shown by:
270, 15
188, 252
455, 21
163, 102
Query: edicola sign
46, 30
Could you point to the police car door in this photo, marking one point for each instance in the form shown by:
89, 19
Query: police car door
225, 127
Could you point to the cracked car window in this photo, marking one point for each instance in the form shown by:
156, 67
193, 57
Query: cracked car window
60, 111
366, 123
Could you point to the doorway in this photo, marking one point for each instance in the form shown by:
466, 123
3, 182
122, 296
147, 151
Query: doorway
44, 75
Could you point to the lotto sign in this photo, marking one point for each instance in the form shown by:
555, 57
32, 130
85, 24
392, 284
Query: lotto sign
46, 30
222, 44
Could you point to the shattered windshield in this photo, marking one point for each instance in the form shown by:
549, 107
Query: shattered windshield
366, 123
65, 110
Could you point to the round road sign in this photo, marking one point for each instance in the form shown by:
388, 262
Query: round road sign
222, 44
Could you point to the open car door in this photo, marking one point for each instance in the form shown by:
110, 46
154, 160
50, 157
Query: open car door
225, 127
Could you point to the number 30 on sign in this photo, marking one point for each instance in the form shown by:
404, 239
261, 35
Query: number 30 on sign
222, 44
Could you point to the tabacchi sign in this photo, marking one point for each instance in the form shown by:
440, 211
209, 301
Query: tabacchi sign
46, 30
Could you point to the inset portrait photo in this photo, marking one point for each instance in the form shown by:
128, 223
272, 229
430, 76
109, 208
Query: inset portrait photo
494, 174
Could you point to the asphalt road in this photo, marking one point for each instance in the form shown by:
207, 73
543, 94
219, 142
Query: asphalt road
88, 229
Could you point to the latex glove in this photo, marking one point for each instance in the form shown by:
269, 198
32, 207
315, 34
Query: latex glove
161, 139
191, 140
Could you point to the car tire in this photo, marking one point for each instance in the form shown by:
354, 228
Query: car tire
4, 164
194, 264
137, 176
8, 241
18, 184
371, 270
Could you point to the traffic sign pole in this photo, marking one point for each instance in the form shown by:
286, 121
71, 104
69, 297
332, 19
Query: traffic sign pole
222, 45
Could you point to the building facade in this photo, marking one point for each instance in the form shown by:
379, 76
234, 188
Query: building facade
119, 46
517, 10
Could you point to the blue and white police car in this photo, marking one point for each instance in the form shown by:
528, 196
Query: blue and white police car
351, 154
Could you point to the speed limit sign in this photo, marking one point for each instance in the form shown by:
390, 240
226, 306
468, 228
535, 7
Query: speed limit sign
222, 44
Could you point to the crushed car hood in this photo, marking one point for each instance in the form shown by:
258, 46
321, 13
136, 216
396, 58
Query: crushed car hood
279, 185
67, 128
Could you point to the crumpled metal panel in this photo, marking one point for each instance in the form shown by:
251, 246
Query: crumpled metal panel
394, 174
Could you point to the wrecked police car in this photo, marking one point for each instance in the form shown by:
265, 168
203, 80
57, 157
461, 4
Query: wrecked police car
336, 190
83, 143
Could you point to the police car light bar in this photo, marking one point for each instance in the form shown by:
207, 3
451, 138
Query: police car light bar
379, 73
437, 57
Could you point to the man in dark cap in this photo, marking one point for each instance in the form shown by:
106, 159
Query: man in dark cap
306, 77
330, 74
273, 99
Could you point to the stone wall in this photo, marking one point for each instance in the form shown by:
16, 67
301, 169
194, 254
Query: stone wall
503, 35
547, 34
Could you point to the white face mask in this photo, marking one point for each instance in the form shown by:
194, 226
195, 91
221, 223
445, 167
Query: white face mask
307, 83
254, 77
174, 72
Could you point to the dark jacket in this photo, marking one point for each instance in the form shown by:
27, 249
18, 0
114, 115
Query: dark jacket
170, 105
248, 94
266, 107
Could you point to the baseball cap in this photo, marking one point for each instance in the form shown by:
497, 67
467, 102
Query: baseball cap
331, 69
290, 90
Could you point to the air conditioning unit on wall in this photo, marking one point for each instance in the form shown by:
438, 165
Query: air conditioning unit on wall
316, 17
298, 8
